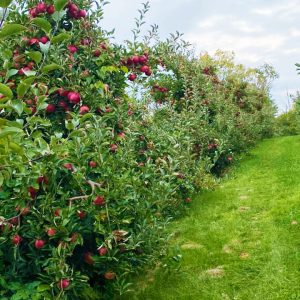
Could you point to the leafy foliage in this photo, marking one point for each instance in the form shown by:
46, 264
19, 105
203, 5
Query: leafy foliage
90, 174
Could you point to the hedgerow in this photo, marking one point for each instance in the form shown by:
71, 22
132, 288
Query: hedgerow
103, 144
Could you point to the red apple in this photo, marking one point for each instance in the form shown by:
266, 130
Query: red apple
16, 240
144, 69
50, 108
132, 77
33, 12
143, 59
88, 258
72, 49
63, 284
68, 166
81, 214
74, 97
92, 164
97, 53
39, 244
102, 251
41, 7
81, 13
44, 39
51, 232
99, 201
113, 148
84, 110
50, 9
135, 59
109, 275
32, 192
57, 212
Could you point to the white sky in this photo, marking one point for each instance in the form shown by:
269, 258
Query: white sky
258, 31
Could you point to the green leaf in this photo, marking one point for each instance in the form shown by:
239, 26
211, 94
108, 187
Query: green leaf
45, 47
10, 29
5, 3
18, 106
43, 287
9, 131
60, 38
36, 56
30, 73
24, 86
50, 68
60, 4
43, 24
11, 72
58, 15
6, 91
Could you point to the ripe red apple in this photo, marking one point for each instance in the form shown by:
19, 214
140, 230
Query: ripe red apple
149, 72
32, 192
44, 39
135, 59
85, 42
63, 284
62, 92
23, 70
14, 220
84, 110
97, 53
33, 109
132, 77
113, 148
81, 13
41, 7
144, 69
74, 97
103, 45
33, 12
16, 240
88, 258
121, 135
81, 214
72, 49
50, 9
92, 164
30, 65
50, 108
99, 201
51, 231
143, 59
33, 41
188, 200
68, 166
102, 251
74, 237
57, 212
39, 244
25, 211
109, 275
42, 179
129, 61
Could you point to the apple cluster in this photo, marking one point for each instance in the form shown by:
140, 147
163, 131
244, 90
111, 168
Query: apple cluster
41, 8
137, 63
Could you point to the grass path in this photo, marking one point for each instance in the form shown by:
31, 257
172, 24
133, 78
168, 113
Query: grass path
241, 241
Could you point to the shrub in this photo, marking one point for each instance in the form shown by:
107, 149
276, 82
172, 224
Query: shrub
90, 175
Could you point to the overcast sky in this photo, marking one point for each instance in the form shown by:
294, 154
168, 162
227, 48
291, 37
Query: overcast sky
258, 31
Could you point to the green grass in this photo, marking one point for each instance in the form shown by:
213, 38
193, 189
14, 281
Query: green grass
244, 230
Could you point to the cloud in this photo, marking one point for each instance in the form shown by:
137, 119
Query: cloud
249, 48
288, 9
